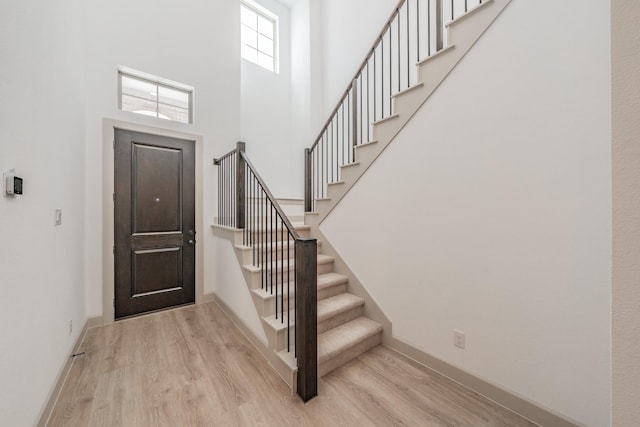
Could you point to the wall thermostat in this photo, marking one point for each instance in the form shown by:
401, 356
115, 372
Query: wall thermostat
13, 184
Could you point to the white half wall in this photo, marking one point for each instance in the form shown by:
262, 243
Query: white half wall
231, 287
491, 212
41, 136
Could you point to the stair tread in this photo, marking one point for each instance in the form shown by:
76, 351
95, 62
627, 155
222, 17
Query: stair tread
327, 308
322, 259
336, 340
324, 281
338, 304
278, 245
297, 226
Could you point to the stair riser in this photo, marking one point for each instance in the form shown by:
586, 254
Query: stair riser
332, 291
351, 353
365, 155
341, 318
267, 307
265, 219
270, 304
431, 74
383, 132
281, 340
350, 173
247, 254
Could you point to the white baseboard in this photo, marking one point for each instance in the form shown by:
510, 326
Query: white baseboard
46, 411
507, 399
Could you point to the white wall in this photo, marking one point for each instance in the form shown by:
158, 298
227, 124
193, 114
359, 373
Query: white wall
197, 44
348, 31
302, 75
266, 113
490, 212
42, 137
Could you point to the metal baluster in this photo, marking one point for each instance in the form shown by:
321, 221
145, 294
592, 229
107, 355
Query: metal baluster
428, 28
368, 102
334, 160
417, 30
343, 137
288, 293
231, 194
465, 6
439, 27
276, 270
398, 19
375, 85
227, 188
390, 63
359, 116
245, 237
254, 238
382, 77
266, 242
271, 250
408, 48
331, 150
282, 271
295, 302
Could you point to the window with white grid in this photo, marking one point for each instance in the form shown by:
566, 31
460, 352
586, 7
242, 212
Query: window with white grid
259, 30
144, 94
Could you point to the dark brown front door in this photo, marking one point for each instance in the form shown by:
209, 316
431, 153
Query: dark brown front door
154, 222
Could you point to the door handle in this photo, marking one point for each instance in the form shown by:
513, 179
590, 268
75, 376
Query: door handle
191, 242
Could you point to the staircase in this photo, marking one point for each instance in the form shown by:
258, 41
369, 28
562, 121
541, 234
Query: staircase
330, 174
265, 231
343, 331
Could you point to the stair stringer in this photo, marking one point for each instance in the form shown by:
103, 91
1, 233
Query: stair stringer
372, 309
463, 33
284, 368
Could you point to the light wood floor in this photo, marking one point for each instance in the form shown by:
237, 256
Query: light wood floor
192, 367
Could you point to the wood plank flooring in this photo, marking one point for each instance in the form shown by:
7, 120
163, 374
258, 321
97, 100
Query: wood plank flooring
192, 367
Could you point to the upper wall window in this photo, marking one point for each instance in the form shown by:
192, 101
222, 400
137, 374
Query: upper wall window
259, 29
154, 96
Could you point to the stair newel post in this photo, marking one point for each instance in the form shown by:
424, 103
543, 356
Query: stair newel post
240, 186
307, 317
307, 180
439, 26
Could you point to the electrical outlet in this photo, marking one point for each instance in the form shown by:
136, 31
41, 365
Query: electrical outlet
458, 339
58, 217
70, 327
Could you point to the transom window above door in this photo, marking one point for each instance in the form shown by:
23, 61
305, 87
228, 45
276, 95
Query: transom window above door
259, 30
153, 96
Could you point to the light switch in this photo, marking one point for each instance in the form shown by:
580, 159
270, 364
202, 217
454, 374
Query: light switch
58, 217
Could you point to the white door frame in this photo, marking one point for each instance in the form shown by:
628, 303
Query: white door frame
108, 273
